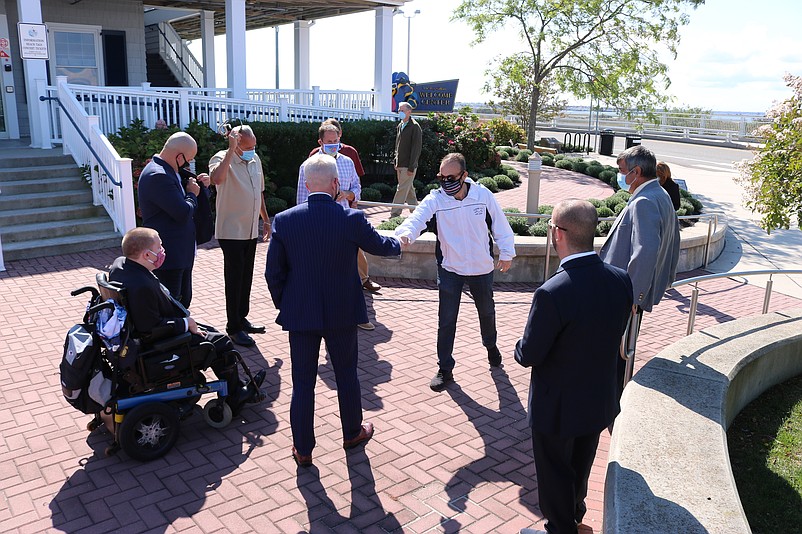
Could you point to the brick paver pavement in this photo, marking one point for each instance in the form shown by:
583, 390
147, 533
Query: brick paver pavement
456, 461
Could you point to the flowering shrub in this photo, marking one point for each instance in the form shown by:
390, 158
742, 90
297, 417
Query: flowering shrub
773, 179
462, 132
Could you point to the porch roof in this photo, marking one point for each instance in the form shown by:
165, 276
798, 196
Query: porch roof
267, 13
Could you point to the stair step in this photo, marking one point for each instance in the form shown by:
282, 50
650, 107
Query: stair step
41, 200
34, 158
12, 174
48, 214
60, 245
41, 185
56, 228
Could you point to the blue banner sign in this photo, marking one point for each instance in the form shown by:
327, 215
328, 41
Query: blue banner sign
436, 96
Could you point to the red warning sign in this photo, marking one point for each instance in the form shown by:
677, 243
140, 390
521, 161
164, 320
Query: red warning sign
3, 53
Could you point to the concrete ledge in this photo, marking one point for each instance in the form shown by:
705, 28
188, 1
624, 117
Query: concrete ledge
668, 468
418, 262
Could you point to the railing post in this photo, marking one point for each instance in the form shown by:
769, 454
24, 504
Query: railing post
316, 95
692, 310
284, 110
183, 103
127, 215
767, 296
94, 122
44, 114
707, 243
365, 112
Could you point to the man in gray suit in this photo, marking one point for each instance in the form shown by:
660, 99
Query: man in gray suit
644, 239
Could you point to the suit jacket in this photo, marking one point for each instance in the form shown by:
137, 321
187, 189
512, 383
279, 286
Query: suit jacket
408, 143
644, 240
672, 188
153, 312
169, 210
311, 264
572, 341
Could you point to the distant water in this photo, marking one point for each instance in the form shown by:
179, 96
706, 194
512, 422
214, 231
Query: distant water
583, 110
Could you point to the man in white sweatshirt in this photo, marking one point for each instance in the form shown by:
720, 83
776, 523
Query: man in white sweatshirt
468, 219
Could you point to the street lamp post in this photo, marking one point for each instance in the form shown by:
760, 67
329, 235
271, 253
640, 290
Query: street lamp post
409, 30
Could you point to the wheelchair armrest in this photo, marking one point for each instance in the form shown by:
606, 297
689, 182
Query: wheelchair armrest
167, 344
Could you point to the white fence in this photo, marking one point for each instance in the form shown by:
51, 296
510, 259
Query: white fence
116, 107
112, 185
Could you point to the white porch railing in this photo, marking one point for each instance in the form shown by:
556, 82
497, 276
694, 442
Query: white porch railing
83, 139
116, 107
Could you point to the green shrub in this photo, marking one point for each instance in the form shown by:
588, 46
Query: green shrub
611, 201
370, 194
432, 186
548, 161
558, 157
608, 177
391, 224
514, 151
504, 131
514, 175
387, 191
596, 202
594, 170
287, 194
539, 229
619, 207
580, 166
696, 203
594, 163
504, 167
685, 203
489, 183
623, 195
275, 205
611, 168
564, 164
684, 194
604, 211
603, 228
503, 154
682, 212
503, 181
489, 173
545, 209
519, 225
523, 155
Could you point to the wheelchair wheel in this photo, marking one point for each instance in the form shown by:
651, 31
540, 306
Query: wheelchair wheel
217, 413
149, 431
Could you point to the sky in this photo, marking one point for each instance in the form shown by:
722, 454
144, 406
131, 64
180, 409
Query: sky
732, 55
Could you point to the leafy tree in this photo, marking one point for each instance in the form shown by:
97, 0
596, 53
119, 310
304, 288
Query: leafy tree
510, 80
601, 48
773, 179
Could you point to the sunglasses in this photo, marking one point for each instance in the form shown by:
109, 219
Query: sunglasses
553, 226
449, 177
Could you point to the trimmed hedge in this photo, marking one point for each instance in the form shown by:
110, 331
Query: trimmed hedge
490, 184
503, 181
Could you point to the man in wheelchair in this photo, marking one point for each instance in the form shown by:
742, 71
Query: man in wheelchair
155, 315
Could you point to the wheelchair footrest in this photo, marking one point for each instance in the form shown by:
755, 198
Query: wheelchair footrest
218, 386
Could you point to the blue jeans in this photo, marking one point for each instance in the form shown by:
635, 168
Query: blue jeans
450, 291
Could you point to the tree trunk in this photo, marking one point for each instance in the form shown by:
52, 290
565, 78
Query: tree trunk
531, 131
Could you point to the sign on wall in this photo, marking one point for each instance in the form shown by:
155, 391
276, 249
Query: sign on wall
32, 41
436, 96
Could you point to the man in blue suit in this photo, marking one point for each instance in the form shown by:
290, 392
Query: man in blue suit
572, 343
169, 208
313, 279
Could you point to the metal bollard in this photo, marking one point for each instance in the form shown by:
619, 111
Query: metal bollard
535, 167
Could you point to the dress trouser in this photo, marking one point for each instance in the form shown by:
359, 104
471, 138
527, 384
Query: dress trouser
304, 353
178, 282
563, 467
238, 259
362, 265
405, 192
224, 363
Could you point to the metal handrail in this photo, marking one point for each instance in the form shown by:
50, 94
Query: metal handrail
695, 293
84, 139
178, 55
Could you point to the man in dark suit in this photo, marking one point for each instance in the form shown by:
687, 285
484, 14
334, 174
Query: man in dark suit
572, 343
156, 315
169, 209
312, 277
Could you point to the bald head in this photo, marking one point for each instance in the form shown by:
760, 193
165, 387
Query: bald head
320, 172
179, 146
577, 220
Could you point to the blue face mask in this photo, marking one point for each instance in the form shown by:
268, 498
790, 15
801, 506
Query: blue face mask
247, 155
401, 115
331, 149
622, 181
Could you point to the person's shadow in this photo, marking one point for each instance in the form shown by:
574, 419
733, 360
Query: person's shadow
114, 493
507, 451
366, 508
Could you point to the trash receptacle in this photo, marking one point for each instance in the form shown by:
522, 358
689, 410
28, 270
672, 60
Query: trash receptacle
606, 143
632, 140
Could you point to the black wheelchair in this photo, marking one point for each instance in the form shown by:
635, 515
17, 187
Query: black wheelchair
155, 386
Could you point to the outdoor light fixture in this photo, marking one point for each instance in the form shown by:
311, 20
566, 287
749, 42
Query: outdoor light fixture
399, 11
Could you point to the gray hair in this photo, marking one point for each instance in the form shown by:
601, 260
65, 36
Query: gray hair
640, 156
320, 170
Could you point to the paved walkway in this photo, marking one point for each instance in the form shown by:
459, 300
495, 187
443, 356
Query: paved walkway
456, 461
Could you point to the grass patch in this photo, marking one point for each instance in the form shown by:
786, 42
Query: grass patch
765, 443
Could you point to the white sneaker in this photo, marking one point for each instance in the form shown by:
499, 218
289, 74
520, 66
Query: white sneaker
366, 326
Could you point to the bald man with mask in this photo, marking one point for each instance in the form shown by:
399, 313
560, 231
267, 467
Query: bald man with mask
168, 207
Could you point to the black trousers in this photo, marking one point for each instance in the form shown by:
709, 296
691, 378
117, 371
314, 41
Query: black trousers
563, 467
224, 363
238, 259
179, 282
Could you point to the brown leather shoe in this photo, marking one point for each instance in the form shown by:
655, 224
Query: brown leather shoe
300, 460
364, 436
370, 285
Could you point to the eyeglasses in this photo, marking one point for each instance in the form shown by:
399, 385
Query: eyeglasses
553, 226
449, 177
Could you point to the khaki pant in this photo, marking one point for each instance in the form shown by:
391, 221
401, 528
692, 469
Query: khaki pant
405, 193
362, 265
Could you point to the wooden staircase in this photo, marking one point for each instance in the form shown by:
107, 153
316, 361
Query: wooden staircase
46, 206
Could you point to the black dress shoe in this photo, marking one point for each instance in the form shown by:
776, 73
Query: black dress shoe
242, 339
252, 328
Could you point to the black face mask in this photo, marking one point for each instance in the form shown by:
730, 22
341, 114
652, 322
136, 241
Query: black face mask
185, 173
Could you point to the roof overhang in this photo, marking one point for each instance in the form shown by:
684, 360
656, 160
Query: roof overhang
264, 13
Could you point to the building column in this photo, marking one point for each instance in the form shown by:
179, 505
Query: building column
235, 47
207, 44
302, 55
30, 11
383, 66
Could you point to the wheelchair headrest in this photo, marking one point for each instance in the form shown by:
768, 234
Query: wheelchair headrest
110, 290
